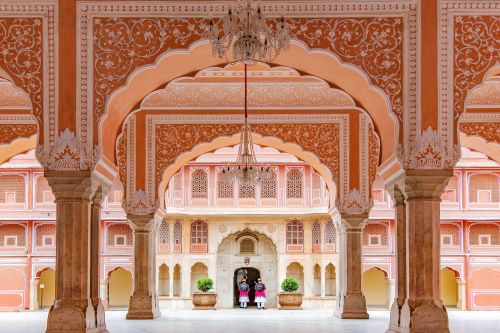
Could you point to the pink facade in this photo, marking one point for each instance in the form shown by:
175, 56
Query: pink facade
470, 229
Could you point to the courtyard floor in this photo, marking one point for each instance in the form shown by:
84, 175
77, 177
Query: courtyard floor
251, 321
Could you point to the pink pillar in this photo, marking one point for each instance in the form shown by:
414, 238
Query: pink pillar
422, 310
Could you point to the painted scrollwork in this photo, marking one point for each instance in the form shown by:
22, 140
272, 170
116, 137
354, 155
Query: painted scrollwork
429, 152
21, 56
67, 153
476, 50
489, 131
140, 203
10, 132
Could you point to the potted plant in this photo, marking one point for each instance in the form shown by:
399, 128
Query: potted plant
204, 300
290, 299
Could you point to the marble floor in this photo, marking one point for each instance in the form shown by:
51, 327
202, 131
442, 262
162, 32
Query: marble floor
251, 321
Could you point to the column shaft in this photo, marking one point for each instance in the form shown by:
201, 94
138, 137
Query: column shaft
352, 303
144, 301
73, 310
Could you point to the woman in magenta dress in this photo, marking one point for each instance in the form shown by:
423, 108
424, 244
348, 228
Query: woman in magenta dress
260, 294
244, 288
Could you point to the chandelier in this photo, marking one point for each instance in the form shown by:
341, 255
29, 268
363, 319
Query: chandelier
246, 171
244, 29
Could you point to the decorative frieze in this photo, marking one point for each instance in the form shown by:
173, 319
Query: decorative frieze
140, 203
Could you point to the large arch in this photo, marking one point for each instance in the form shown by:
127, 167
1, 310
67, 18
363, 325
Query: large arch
224, 141
177, 63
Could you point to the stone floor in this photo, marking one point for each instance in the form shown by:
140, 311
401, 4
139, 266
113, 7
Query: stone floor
251, 321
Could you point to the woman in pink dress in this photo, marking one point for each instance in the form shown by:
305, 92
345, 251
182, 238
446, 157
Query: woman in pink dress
260, 294
244, 288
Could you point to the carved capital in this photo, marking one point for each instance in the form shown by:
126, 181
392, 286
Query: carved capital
428, 151
142, 223
70, 185
140, 203
426, 184
67, 153
355, 203
354, 222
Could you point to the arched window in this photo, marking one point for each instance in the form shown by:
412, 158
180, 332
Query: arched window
224, 187
295, 236
178, 237
268, 187
199, 184
164, 237
120, 234
247, 246
294, 188
316, 237
199, 236
330, 237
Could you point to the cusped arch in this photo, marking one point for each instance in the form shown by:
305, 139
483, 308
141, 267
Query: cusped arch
177, 63
269, 141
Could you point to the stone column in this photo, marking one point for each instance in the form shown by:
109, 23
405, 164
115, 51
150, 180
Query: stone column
423, 311
391, 291
34, 304
461, 304
171, 280
144, 300
323, 280
73, 310
398, 196
352, 303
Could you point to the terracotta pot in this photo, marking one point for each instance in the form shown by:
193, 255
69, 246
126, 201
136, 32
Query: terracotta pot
290, 301
204, 301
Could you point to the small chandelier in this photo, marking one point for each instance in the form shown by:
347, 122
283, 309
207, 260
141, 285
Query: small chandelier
244, 29
246, 171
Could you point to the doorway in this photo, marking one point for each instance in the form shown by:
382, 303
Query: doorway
250, 274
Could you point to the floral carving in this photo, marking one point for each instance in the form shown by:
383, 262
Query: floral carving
140, 203
374, 44
10, 132
65, 318
354, 203
67, 153
373, 154
489, 131
321, 139
476, 50
121, 155
21, 56
429, 151
122, 44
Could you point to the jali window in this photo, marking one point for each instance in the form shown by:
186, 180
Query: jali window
199, 184
246, 191
224, 187
316, 236
268, 187
330, 233
294, 188
295, 233
178, 237
199, 233
164, 233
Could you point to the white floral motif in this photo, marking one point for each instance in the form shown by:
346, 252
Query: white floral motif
354, 203
429, 151
141, 203
67, 153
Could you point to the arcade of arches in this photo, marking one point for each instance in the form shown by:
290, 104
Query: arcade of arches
380, 124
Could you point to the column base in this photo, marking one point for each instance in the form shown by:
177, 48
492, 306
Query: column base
76, 317
143, 306
352, 306
421, 316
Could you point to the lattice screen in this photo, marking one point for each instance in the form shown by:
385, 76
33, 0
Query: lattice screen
177, 236
164, 233
224, 187
294, 188
44, 230
199, 184
120, 229
316, 233
10, 231
246, 191
268, 187
330, 233
11, 189
199, 233
295, 233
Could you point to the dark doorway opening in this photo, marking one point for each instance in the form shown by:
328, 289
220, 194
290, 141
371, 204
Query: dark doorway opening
250, 274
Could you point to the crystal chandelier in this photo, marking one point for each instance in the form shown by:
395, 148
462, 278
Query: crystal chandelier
246, 171
244, 29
